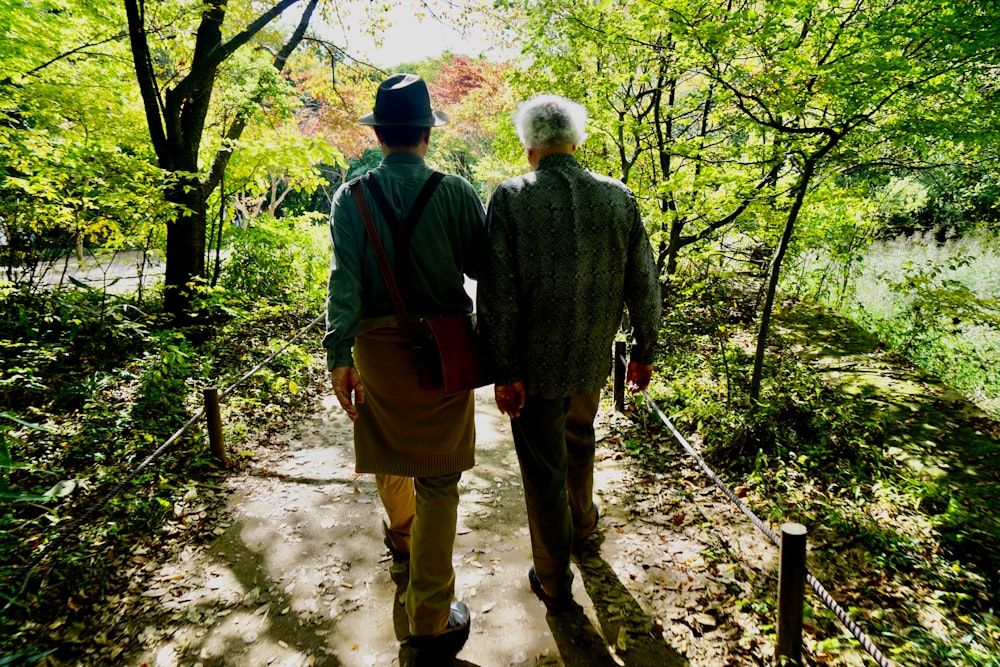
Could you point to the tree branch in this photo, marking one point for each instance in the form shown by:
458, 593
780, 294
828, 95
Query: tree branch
206, 66
147, 82
223, 155
82, 47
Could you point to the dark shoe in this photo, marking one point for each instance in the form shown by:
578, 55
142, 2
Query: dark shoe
448, 643
397, 555
553, 604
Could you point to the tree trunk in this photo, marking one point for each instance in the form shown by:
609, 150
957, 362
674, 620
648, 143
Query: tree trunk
177, 123
673, 247
185, 246
774, 273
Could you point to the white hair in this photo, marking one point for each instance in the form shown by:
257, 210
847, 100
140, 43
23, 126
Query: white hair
547, 120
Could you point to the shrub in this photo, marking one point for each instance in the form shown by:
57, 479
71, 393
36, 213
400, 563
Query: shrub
280, 260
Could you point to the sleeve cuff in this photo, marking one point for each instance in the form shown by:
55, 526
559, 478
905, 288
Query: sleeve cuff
335, 358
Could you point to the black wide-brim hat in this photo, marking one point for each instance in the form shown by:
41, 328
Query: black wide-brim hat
402, 99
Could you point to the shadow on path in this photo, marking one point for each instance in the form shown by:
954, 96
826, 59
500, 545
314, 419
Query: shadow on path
624, 623
578, 640
300, 577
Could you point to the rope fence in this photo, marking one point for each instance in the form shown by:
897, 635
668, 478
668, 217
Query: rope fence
24, 574
825, 596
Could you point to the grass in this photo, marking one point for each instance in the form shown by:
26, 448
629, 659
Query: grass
937, 303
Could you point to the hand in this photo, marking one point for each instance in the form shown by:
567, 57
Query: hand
346, 380
637, 376
509, 398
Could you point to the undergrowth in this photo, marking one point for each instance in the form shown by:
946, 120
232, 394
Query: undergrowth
91, 386
936, 301
916, 556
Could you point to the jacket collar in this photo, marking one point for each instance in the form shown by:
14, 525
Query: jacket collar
557, 160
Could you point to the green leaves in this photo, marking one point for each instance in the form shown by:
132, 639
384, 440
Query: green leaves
279, 261
690, 104
7, 461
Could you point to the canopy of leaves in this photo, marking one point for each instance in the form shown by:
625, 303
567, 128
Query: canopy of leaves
74, 161
706, 108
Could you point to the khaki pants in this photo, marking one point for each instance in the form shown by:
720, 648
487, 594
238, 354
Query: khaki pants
423, 516
555, 442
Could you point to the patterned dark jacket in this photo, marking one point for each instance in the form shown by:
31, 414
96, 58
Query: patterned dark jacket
567, 253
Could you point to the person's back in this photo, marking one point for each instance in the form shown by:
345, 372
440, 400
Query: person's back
416, 440
574, 234
567, 251
442, 247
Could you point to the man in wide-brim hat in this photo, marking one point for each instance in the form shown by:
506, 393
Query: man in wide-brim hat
416, 441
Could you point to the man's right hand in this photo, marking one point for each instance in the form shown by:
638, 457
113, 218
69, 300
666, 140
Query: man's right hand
637, 376
510, 398
346, 382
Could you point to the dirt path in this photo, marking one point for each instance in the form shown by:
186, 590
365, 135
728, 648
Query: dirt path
282, 563
299, 575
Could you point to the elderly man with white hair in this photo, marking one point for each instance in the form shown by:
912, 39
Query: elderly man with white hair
567, 251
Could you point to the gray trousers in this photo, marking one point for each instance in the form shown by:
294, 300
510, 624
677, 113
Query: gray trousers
554, 439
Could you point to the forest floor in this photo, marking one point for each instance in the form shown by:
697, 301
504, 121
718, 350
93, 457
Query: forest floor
298, 574
283, 563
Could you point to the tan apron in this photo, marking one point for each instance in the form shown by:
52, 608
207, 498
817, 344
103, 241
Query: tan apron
403, 429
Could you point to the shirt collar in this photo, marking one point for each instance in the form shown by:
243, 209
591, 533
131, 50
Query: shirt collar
402, 158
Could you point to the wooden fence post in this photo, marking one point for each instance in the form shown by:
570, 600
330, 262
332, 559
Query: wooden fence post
619, 388
214, 420
791, 589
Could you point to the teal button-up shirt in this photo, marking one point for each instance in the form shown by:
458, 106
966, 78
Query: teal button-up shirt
444, 248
